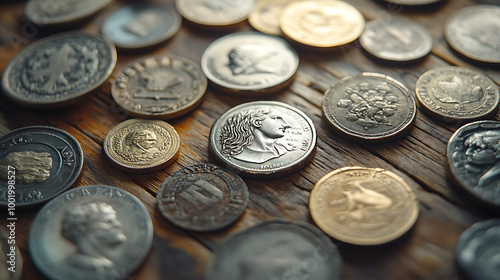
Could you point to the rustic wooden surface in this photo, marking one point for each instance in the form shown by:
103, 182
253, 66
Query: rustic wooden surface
426, 252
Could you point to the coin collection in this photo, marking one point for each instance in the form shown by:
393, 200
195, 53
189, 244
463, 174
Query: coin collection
262, 139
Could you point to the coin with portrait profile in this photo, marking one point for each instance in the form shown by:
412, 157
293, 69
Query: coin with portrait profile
215, 13
250, 63
91, 233
265, 16
141, 146
263, 139
11, 260
363, 206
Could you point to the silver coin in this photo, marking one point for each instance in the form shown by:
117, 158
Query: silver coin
59, 70
40, 162
11, 260
396, 39
141, 25
250, 62
277, 250
202, 197
91, 233
265, 139
478, 249
215, 12
61, 12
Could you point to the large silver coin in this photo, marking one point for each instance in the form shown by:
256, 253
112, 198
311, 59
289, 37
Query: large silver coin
265, 139
59, 70
11, 260
277, 250
91, 233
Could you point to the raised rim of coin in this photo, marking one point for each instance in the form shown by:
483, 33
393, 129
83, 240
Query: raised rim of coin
33, 12
215, 15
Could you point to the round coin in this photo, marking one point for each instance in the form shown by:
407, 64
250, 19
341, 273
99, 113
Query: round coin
478, 249
142, 145
40, 162
369, 107
159, 87
473, 32
265, 16
473, 159
202, 197
141, 25
457, 93
11, 260
263, 139
250, 62
277, 250
90, 233
321, 24
363, 206
396, 39
215, 12
59, 70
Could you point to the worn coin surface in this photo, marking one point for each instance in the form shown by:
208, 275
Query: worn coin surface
91, 233
159, 87
203, 197
265, 16
59, 70
250, 62
265, 139
473, 32
478, 249
457, 93
215, 12
61, 12
322, 24
277, 250
10, 269
369, 107
363, 206
473, 159
142, 145
141, 25
396, 39
40, 162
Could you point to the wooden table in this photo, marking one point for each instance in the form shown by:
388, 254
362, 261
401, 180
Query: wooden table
426, 252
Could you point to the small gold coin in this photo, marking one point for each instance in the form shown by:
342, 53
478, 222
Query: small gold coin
215, 13
265, 16
142, 145
363, 206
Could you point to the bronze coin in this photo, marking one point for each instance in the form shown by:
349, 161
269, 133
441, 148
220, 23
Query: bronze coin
215, 12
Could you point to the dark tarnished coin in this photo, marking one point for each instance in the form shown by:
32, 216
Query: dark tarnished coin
215, 12
141, 25
61, 12
265, 16
478, 249
160, 87
59, 70
265, 139
202, 197
250, 62
396, 39
457, 93
11, 260
277, 250
39, 162
142, 145
473, 32
474, 161
91, 233
369, 107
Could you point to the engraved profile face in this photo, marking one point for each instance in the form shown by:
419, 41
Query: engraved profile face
31, 167
483, 154
141, 142
249, 59
145, 23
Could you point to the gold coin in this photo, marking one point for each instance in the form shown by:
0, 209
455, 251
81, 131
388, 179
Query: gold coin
363, 206
142, 145
321, 24
215, 13
265, 16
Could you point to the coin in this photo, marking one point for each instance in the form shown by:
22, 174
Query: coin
457, 93
277, 250
59, 70
11, 260
473, 160
321, 24
159, 87
473, 32
39, 162
61, 12
369, 107
396, 39
91, 233
265, 16
142, 145
363, 206
477, 250
215, 12
202, 197
141, 25
250, 62
263, 139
